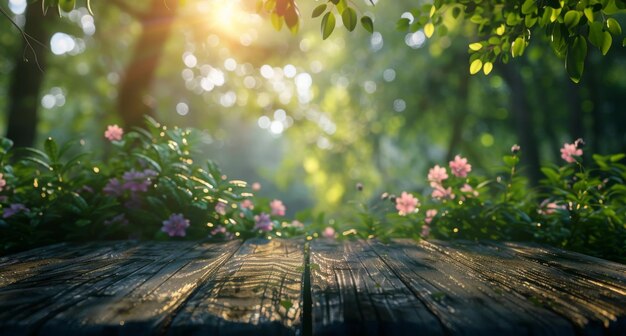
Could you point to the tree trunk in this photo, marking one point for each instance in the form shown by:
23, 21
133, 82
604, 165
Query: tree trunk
133, 96
523, 121
26, 79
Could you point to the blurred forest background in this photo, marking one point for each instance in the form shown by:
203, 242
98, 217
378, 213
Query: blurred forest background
307, 118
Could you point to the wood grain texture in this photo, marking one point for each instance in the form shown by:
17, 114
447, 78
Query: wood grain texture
122, 288
465, 300
354, 292
262, 287
256, 292
589, 292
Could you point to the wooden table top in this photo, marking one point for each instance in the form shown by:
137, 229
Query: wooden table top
293, 287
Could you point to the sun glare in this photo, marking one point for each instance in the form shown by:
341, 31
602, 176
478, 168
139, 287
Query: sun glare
226, 16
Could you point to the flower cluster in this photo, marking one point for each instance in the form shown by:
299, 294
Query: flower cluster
149, 187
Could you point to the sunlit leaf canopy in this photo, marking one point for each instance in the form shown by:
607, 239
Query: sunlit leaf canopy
310, 117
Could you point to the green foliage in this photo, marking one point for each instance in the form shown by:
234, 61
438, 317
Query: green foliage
287, 11
65, 194
505, 28
577, 208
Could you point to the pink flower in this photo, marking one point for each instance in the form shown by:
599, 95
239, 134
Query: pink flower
460, 167
406, 204
278, 208
569, 151
263, 222
14, 209
430, 214
548, 208
247, 204
114, 133
175, 225
467, 189
515, 149
440, 192
256, 186
425, 231
217, 230
436, 175
3, 182
328, 232
297, 224
220, 208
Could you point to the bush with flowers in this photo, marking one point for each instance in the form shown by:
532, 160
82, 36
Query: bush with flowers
578, 207
148, 186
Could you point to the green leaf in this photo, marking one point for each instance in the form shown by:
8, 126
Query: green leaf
67, 5
79, 201
510, 160
51, 148
572, 18
613, 26
349, 18
367, 24
403, 24
575, 58
606, 43
328, 25
319, 10
456, 11
550, 173
83, 222
617, 157
72, 162
596, 35
518, 46
149, 161
6, 144
529, 6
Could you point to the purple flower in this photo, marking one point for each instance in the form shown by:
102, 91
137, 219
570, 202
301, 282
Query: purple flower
263, 222
175, 225
14, 209
136, 181
113, 188
149, 173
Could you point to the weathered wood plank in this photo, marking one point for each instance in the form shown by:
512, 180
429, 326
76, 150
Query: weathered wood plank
70, 296
142, 302
355, 293
26, 303
463, 298
257, 292
26, 264
592, 299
